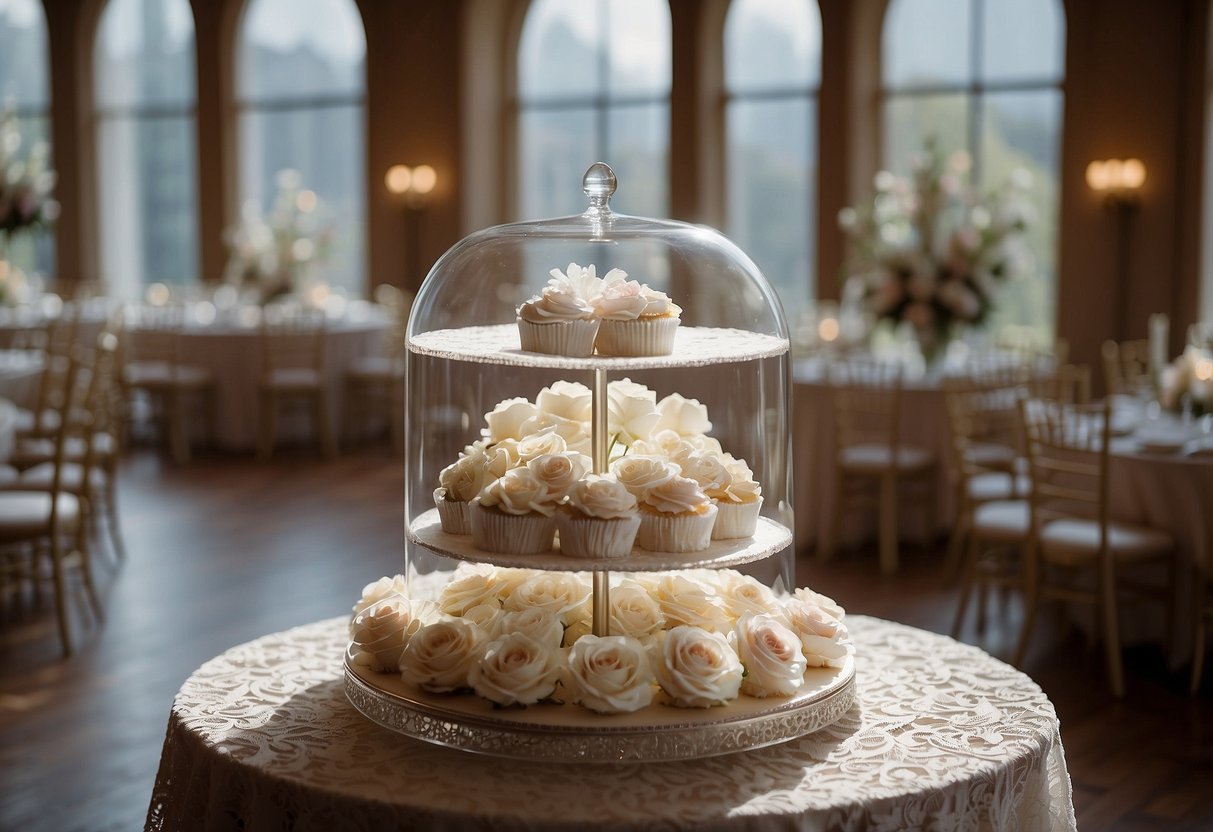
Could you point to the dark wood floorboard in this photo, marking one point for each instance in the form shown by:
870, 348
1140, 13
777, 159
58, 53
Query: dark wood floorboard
225, 550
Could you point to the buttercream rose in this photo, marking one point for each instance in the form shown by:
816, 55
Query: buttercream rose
823, 638
707, 470
381, 632
641, 473
464, 478
687, 602
383, 588
559, 472
487, 617
546, 441
559, 593
537, 624
505, 420
657, 304
619, 299
771, 654
742, 594
631, 411
439, 656
742, 487
470, 586
828, 605
519, 492
501, 457
664, 443
576, 434
559, 301
516, 669
602, 496
696, 668
566, 400
634, 612
677, 495
609, 675
581, 280
686, 417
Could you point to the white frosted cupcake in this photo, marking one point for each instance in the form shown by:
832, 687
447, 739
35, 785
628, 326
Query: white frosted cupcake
639, 473
600, 519
560, 320
636, 320
459, 484
740, 503
514, 515
676, 516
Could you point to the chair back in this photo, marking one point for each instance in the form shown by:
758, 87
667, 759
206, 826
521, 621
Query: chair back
1126, 366
1067, 383
866, 395
292, 337
155, 334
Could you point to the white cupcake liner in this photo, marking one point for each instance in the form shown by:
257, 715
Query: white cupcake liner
660, 532
596, 537
571, 338
511, 534
643, 336
455, 515
736, 520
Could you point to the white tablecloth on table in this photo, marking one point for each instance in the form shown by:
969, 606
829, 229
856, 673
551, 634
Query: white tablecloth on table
942, 736
233, 355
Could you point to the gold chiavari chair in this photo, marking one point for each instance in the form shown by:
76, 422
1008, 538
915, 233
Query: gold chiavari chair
1067, 383
1126, 366
292, 369
374, 384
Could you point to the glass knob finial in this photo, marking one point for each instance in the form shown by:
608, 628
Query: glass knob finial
599, 183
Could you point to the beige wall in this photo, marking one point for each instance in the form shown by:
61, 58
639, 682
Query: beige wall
1134, 87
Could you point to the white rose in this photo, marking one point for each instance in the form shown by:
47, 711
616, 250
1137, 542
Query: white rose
707, 444
711, 474
480, 584
559, 472
381, 632
464, 478
545, 441
609, 675
501, 457
440, 655
687, 602
519, 492
631, 411
771, 653
634, 612
582, 281
823, 638
826, 603
576, 434
566, 400
743, 593
505, 420
383, 588
640, 473
678, 495
487, 617
697, 669
603, 496
577, 629
658, 304
686, 417
742, 487
516, 669
664, 443
534, 623
619, 299
560, 593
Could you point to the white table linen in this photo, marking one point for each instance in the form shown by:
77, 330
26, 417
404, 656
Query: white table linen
942, 736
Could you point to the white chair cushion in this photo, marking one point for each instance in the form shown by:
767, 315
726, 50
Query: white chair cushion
161, 375
991, 455
995, 485
27, 514
292, 378
40, 477
30, 452
1076, 539
1009, 520
24, 424
8, 474
872, 458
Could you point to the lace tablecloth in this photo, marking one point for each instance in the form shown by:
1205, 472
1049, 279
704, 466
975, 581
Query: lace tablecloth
943, 737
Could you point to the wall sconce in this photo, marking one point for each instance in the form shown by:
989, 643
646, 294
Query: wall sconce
412, 186
1118, 180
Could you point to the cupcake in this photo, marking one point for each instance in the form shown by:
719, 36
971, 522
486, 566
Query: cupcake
676, 516
599, 520
636, 320
560, 320
739, 502
514, 515
459, 484
640, 473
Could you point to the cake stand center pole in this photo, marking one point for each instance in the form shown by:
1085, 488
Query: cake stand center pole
601, 620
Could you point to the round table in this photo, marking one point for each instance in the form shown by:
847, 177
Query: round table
942, 736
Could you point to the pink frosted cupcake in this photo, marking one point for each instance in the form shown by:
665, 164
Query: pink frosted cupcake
600, 519
514, 515
676, 516
560, 320
636, 320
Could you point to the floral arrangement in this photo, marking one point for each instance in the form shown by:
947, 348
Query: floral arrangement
26, 183
14, 286
1187, 383
518, 637
276, 253
928, 250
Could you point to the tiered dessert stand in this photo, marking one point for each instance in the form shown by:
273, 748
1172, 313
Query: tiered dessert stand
567, 732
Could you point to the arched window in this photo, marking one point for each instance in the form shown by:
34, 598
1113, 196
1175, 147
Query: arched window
144, 91
986, 76
25, 90
301, 91
772, 63
593, 84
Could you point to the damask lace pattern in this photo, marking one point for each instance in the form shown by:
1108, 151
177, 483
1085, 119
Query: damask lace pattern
942, 736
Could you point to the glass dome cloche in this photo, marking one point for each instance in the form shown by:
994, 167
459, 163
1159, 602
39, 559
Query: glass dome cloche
606, 339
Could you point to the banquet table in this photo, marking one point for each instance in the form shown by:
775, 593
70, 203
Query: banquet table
231, 351
941, 736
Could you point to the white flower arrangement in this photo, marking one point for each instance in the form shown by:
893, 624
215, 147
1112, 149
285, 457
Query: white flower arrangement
931, 251
276, 253
1187, 383
26, 181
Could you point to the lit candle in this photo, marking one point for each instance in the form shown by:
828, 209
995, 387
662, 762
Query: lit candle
1160, 326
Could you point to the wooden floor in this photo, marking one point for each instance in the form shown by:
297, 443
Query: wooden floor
225, 550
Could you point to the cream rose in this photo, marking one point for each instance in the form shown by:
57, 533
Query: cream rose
686, 417
823, 638
664, 443
577, 629
559, 472
464, 478
678, 495
602, 496
519, 492
609, 675
487, 617
619, 299
687, 602
641, 473
559, 593
743, 593
707, 444
742, 487
566, 400
505, 420
440, 655
470, 587
516, 669
383, 588
631, 411
707, 470
559, 301
771, 653
582, 281
381, 632
657, 304
696, 668
546, 441
827, 604
634, 612
501, 457
537, 624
